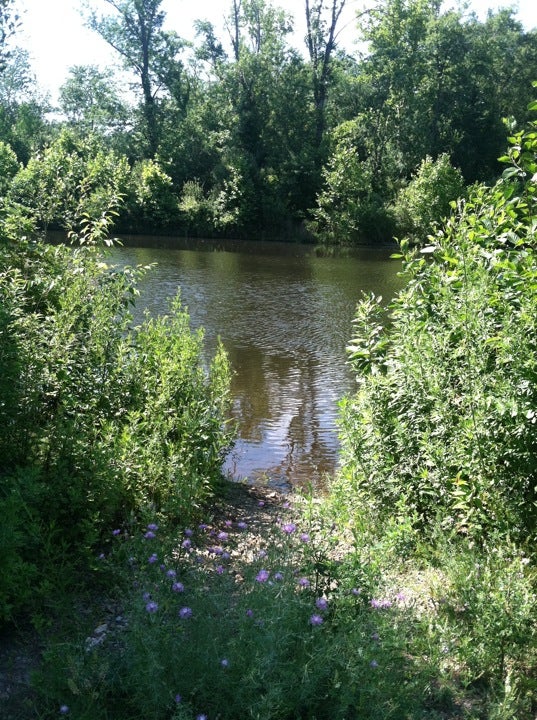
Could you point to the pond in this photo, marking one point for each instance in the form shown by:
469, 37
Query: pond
284, 315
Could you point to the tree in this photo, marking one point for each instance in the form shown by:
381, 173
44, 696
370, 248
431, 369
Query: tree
135, 31
321, 41
9, 23
22, 107
90, 100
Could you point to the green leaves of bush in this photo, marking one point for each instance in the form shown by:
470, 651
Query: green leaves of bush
101, 422
445, 415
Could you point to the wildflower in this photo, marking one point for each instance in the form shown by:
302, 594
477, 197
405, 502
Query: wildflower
171, 573
224, 662
116, 532
64, 709
149, 535
356, 591
152, 526
305, 537
225, 556
151, 606
203, 526
261, 554
322, 603
152, 559
380, 604
261, 503
201, 717
228, 523
178, 698
316, 620
249, 613
189, 532
304, 582
185, 613
219, 569
101, 556
374, 664
289, 528
262, 576
278, 576
178, 587
146, 596
400, 597
222, 536
242, 525
186, 544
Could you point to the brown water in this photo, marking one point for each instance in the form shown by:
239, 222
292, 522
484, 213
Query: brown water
284, 316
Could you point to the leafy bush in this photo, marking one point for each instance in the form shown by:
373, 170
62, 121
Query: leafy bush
444, 419
101, 422
427, 198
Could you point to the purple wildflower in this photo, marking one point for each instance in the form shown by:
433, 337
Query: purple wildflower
203, 526
222, 536
289, 528
262, 576
219, 569
374, 664
278, 576
305, 537
224, 662
316, 619
171, 573
149, 535
380, 604
151, 606
146, 596
261, 503
261, 554
228, 523
321, 603
400, 597
304, 582
356, 591
116, 532
185, 613
201, 717
178, 587
178, 698
152, 559
189, 532
225, 555
152, 526
64, 709
242, 525
186, 544
249, 613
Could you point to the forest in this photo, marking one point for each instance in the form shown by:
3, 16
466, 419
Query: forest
136, 581
229, 135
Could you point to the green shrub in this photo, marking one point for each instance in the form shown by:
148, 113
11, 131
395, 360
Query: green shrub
427, 198
445, 415
101, 423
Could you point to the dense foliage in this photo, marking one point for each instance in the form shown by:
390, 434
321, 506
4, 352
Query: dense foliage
443, 423
101, 422
247, 134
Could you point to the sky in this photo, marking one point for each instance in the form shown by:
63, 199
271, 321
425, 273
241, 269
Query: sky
53, 31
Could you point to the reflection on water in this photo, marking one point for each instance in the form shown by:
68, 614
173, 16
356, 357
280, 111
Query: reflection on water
284, 317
